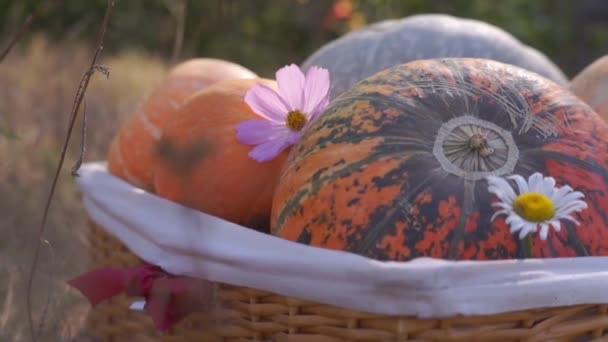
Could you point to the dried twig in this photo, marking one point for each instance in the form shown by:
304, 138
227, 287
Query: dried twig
24, 27
80, 93
178, 10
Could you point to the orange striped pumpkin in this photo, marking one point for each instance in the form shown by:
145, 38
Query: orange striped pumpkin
130, 155
203, 166
391, 169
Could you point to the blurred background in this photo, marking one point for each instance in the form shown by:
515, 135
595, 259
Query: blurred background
40, 75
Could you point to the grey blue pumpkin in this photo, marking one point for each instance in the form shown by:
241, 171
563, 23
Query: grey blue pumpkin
384, 44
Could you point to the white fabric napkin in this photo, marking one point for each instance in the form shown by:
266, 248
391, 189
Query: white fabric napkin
188, 242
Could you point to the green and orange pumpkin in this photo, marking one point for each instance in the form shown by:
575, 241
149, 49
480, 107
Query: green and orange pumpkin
389, 171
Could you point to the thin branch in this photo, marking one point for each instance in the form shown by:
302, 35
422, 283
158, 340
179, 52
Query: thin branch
76, 106
179, 12
23, 29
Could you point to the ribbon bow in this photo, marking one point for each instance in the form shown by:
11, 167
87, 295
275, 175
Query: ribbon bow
168, 298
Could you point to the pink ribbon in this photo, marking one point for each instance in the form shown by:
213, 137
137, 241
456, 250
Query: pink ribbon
168, 298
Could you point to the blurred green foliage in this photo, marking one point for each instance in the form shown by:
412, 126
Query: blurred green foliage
265, 34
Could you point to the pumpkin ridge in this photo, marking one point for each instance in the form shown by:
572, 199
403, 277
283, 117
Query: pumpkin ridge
379, 229
574, 241
464, 86
317, 181
467, 209
585, 164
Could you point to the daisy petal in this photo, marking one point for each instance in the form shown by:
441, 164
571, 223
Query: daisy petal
516, 223
561, 192
571, 219
544, 231
268, 150
573, 196
529, 228
557, 226
266, 103
501, 188
577, 205
316, 89
498, 213
521, 183
535, 182
254, 132
291, 86
548, 186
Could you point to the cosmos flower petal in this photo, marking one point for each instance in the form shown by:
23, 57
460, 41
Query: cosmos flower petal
319, 109
316, 90
291, 83
266, 103
521, 183
254, 132
268, 150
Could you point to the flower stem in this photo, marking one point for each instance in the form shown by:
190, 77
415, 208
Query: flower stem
528, 246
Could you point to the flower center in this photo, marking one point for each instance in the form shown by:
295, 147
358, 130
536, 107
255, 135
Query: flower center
534, 207
295, 120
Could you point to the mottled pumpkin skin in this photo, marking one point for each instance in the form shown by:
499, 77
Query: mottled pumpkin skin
203, 166
131, 154
591, 85
365, 178
362, 53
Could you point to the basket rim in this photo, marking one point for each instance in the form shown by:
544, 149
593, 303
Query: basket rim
214, 249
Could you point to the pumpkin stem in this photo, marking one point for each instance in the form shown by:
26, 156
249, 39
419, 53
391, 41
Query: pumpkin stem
474, 148
479, 144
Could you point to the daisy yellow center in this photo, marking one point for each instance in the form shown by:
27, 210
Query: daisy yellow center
295, 120
534, 207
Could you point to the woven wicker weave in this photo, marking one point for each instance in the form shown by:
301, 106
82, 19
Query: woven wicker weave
244, 314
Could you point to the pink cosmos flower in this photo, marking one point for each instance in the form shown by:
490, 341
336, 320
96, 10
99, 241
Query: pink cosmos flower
286, 115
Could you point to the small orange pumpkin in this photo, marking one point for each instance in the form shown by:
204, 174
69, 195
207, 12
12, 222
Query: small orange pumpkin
204, 167
591, 86
131, 154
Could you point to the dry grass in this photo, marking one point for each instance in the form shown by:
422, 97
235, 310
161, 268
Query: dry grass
37, 86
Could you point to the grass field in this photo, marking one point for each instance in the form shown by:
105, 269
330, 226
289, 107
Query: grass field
37, 87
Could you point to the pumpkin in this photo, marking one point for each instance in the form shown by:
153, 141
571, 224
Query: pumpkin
131, 154
591, 85
204, 167
387, 43
388, 170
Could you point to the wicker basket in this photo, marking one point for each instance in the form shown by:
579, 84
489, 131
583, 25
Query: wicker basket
243, 314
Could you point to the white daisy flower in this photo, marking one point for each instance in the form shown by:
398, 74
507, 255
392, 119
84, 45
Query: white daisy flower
538, 203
